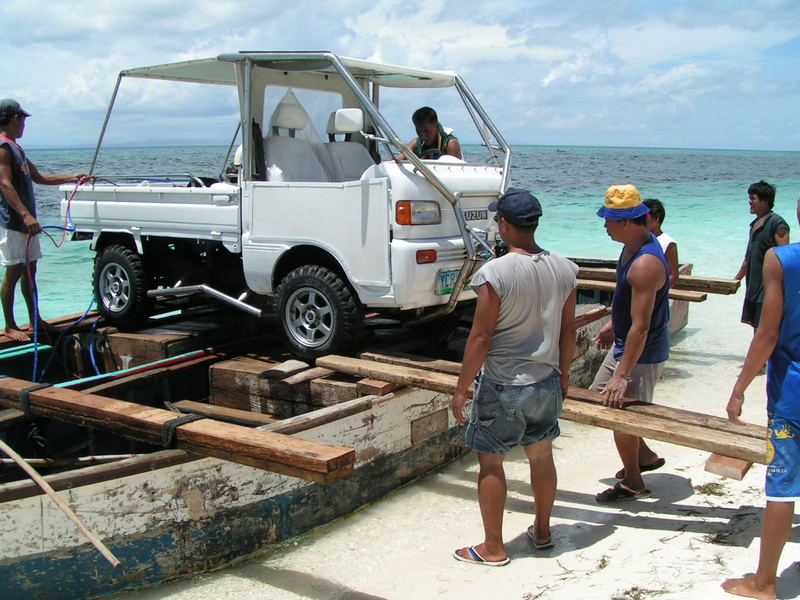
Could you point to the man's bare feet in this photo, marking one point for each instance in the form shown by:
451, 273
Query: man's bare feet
16, 334
749, 588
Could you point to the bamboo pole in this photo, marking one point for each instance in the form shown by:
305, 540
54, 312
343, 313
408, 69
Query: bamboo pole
61, 504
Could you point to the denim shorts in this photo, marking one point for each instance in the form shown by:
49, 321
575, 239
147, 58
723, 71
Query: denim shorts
505, 416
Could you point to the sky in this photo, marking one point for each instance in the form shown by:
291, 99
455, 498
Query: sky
650, 73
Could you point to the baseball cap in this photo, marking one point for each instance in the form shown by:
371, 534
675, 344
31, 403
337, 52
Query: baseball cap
622, 202
518, 207
9, 108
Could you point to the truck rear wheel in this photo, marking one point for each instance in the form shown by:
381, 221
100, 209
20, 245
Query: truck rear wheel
318, 311
120, 286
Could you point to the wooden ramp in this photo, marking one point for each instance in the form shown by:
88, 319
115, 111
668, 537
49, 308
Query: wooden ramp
651, 421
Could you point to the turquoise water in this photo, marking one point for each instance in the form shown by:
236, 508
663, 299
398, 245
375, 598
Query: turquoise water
704, 192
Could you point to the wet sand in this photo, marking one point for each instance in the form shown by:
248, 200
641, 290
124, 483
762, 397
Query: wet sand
696, 530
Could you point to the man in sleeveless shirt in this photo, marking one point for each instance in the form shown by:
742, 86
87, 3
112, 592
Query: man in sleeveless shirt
777, 339
638, 331
432, 140
18, 215
522, 340
767, 230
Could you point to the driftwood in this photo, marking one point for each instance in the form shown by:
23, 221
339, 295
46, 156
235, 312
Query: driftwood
610, 286
693, 283
686, 428
309, 460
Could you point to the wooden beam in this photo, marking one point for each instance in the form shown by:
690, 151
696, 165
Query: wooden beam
222, 413
658, 428
309, 460
376, 387
694, 283
695, 430
732, 468
610, 286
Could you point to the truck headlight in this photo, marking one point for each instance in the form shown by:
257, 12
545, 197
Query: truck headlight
417, 212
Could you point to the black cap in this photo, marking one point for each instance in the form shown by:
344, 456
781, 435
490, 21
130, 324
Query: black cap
9, 108
518, 207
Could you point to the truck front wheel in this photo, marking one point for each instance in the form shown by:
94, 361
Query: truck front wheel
318, 311
120, 286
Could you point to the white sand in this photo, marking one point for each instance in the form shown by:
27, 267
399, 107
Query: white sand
696, 530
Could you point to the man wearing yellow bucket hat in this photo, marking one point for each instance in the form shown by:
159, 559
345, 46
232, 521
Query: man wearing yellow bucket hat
637, 330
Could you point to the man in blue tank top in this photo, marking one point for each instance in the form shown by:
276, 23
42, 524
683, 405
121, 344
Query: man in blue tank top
638, 329
19, 228
777, 339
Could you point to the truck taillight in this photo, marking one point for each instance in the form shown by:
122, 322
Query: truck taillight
426, 256
417, 212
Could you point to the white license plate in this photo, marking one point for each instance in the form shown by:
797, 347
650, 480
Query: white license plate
445, 281
476, 215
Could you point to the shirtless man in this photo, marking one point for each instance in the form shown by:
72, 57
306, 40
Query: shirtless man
18, 215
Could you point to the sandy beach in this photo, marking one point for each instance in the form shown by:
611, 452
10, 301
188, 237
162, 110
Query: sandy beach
696, 530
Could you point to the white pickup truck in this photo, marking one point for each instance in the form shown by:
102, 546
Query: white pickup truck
331, 230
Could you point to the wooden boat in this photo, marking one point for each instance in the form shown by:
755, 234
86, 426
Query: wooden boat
166, 513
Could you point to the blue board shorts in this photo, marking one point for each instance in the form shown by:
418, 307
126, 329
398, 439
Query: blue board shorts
783, 469
505, 416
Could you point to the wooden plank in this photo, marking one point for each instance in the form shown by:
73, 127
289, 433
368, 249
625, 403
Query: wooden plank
11, 416
610, 286
411, 360
658, 428
307, 375
221, 413
696, 430
732, 468
375, 387
313, 461
285, 369
325, 392
694, 283
406, 375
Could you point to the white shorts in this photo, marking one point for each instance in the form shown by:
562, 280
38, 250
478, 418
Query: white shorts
12, 247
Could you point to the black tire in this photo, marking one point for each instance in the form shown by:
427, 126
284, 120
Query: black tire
120, 286
318, 312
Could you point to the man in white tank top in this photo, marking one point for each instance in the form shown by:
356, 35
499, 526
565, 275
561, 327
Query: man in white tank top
523, 336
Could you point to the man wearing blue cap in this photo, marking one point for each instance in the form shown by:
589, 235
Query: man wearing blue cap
638, 331
18, 222
523, 335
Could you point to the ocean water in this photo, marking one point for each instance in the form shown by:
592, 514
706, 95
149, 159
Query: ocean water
704, 193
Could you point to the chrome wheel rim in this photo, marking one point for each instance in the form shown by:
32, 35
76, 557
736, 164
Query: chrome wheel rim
309, 317
115, 287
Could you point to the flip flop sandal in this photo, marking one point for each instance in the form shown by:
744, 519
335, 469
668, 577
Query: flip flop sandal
621, 492
643, 468
539, 546
476, 559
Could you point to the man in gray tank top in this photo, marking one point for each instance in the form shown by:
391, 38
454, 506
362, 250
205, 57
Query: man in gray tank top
523, 335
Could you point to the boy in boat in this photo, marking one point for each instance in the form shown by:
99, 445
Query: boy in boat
638, 331
777, 338
767, 230
655, 219
522, 340
432, 139
19, 228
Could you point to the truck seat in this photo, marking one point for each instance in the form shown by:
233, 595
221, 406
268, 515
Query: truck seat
349, 159
287, 157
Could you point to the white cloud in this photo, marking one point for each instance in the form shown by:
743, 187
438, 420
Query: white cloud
543, 68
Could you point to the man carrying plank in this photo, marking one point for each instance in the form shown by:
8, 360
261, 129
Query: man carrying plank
638, 329
523, 335
777, 338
